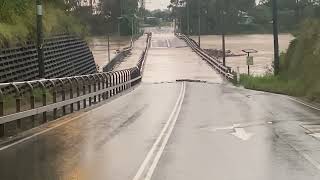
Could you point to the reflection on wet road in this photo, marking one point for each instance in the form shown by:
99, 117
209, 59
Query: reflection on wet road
176, 131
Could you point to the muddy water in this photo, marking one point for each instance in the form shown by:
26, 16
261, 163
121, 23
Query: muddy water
263, 43
99, 48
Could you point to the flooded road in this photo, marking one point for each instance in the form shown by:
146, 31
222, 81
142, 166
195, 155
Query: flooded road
99, 47
170, 59
167, 130
263, 43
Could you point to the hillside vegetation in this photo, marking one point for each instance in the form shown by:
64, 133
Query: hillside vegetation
18, 19
300, 66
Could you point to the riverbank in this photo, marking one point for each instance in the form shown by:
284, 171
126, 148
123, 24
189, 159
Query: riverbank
299, 67
263, 43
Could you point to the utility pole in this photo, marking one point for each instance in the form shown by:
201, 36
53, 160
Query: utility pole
107, 18
199, 24
132, 27
120, 18
188, 18
223, 39
91, 6
297, 11
175, 17
275, 37
109, 58
40, 39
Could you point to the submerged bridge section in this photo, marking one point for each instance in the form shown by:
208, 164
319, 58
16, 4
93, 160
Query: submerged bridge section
184, 121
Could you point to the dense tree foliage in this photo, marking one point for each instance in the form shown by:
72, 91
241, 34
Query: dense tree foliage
18, 18
241, 15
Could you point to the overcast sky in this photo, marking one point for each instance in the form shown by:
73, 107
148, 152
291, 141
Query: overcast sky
157, 4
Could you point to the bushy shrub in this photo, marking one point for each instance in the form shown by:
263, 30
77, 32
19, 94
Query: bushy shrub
300, 66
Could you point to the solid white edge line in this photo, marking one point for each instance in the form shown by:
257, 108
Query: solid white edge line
56, 126
303, 154
165, 141
310, 106
312, 161
154, 146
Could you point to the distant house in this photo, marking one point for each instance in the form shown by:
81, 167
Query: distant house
246, 20
94, 4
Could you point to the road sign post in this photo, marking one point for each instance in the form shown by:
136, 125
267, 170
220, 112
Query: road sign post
249, 58
249, 62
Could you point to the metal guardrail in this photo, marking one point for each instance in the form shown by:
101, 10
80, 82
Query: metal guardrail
224, 70
66, 95
118, 58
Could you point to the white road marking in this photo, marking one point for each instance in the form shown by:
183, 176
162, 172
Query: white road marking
164, 142
168, 43
242, 134
225, 128
316, 135
312, 161
53, 127
172, 119
308, 105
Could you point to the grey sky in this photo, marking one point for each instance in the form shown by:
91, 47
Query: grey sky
157, 4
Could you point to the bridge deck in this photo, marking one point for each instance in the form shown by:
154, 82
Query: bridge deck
170, 59
174, 131
133, 58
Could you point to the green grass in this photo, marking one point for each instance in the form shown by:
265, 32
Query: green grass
300, 67
273, 84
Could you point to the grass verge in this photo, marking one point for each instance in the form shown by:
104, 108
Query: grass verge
279, 85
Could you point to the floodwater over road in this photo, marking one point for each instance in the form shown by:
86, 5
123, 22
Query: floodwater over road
168, 130
263, 43
99, 47
170, 59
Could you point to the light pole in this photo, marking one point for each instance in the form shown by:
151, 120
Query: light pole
275, 37
188, 17
223, 40
40, 39
107, 17
132, 27
119, 29
199, 24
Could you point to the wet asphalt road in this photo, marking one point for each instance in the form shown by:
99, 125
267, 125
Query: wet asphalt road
164, 130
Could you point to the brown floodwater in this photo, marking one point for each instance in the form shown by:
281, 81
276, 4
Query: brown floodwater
263, 43
99, 47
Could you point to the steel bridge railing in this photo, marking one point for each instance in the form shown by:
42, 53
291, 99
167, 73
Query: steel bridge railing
224, 70
35, 102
